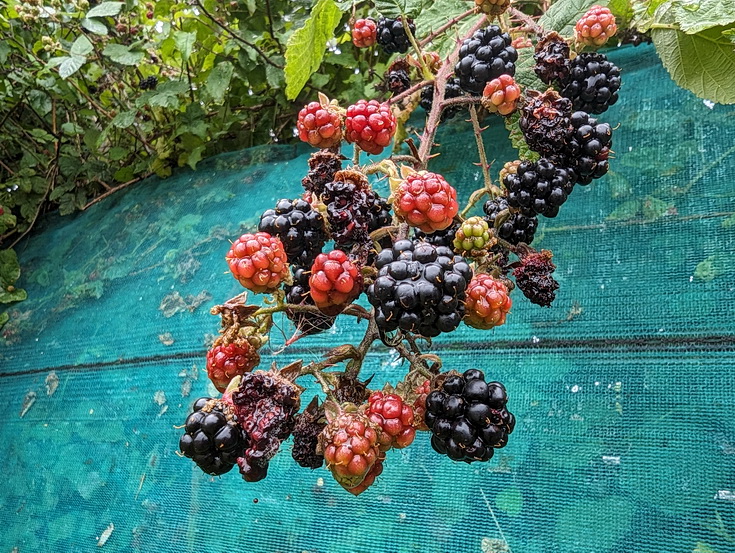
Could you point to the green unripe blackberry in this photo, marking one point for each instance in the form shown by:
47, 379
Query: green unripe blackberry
472, 235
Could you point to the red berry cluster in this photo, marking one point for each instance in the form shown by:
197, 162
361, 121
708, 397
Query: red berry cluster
258, 261
364, 32
427, 201
335, 281
595, 26
395, 419
320, 126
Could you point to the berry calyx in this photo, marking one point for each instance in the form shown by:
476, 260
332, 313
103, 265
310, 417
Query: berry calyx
335, 282
427, 201
258, 261
595, 27
320, 125
488, 302
370, 125
395, 419
501, 95
473, 237
225, 361
364, 32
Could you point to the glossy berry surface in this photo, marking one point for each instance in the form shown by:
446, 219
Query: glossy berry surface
427, 201
595, 27
488, 302
485, 56
335, 282
451, 90
395, 419
258, 261
364, 32
539, 187
392, 36
319, 126
300, 228
370, 125
515, 228
350, 447
473, 236
593, 83
226, 361
468, 417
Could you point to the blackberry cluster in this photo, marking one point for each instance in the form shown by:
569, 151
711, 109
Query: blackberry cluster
586, 154
265, 405
149, 83
323, 165
533, 277
468, 418
212, 438
539, 187
380, 217
593, 83
300, 228
419, 288
298, 294
350, 202
306, 432
552, 59
397, 80
451, 90
443, 238
484, 56
546, 121
516, 228
634, 36
392, 36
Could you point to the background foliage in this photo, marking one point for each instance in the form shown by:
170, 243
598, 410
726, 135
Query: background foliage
75, 126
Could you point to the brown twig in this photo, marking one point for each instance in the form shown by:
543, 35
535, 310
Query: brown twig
446, 26
408, 92
113, 190
527, 19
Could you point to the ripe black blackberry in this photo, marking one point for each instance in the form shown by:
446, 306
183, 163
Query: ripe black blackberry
212, 438
307, 323
633, 36
305, 439
397, 80
538, 187
552, 59
593, 83
587, 152
392, 36
322, 167
149, 83
451, 90
516, 228
484, 56
349, 200
265, 404
439, 237
300, 228
419, 288
468, 417
533, 277
546, 121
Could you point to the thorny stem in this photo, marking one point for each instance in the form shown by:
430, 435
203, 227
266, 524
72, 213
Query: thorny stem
527, 19
490, 189
415, 88
446, 26
371, 334
432, 123
353, 310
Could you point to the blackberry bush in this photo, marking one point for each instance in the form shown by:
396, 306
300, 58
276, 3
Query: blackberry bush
423, 260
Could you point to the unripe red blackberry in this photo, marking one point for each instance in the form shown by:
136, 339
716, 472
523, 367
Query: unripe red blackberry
501, 95
595, 27
320, 125
364, 32
370, 125
488, 302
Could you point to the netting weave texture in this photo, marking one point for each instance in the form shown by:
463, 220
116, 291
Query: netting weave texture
624, 390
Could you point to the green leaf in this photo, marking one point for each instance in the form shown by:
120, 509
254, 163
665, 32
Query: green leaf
9, 268
124, 174
106, 9
167, 94
4, 51
184, 43
4, 317
703, 63
117, 153
653, 208
396, 8
709, 269
123, 55
81, 46
305, 48
436, 14
622, 10
517, 139
699, 15
219, 80
124, 119
563, 15
95, 26
70, 65
7, 220
195, 156
16, 294
525, 75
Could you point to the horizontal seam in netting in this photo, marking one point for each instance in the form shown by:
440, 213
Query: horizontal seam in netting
716, 342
